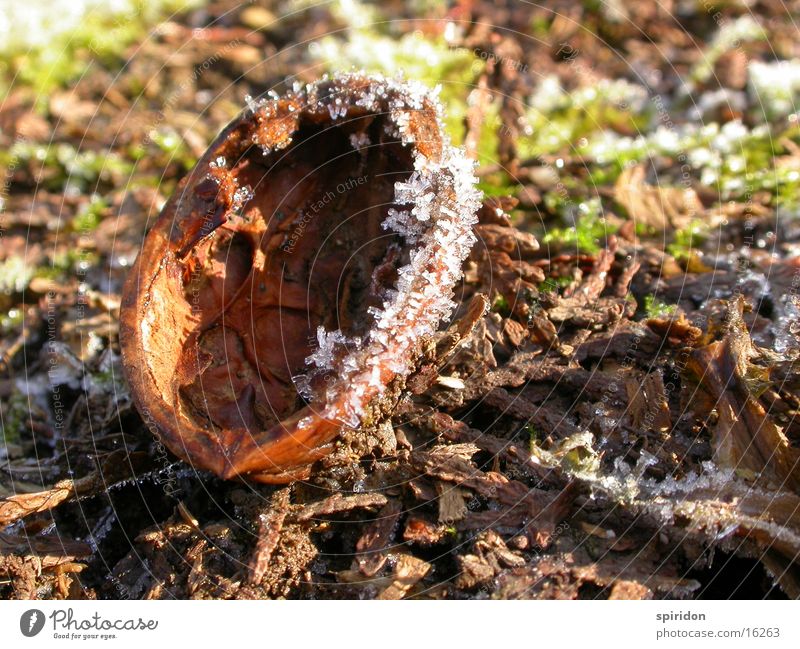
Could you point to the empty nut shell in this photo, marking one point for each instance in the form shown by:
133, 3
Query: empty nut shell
293, 273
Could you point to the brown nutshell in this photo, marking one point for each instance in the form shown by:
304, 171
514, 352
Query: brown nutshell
292, 272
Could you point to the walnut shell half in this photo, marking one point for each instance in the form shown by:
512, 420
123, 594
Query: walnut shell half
292, 274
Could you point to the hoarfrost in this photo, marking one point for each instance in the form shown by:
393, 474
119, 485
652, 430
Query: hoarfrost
253, 105
645, 460
241, 196
787, 330
325, 354
359, 141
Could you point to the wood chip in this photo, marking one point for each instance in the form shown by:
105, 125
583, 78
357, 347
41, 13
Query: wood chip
269, 533
341, 503
372, 545
452, 502
408, 571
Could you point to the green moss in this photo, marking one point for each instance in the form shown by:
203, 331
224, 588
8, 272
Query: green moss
533, 434
15, 274
73, 261
554, 284
654, 308
540, 27
100, 36
498, 185
589, 232
173, 146
66, 167
49, 272
643, 229
557, 120
419, 57
11, 321
15, 413
90, 216
687, 240
735, 160
731, 35
501, 306
560, 199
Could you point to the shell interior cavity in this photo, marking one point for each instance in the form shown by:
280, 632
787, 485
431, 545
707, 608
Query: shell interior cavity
293, 273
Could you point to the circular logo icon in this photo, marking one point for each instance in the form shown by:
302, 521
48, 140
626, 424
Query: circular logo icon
31, 622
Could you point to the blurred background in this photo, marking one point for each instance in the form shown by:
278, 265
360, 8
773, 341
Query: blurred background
105, 104
671, 125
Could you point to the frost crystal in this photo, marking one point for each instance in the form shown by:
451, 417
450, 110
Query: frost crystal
252, 104
327, 341
787, 332
241, 196
359, 141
